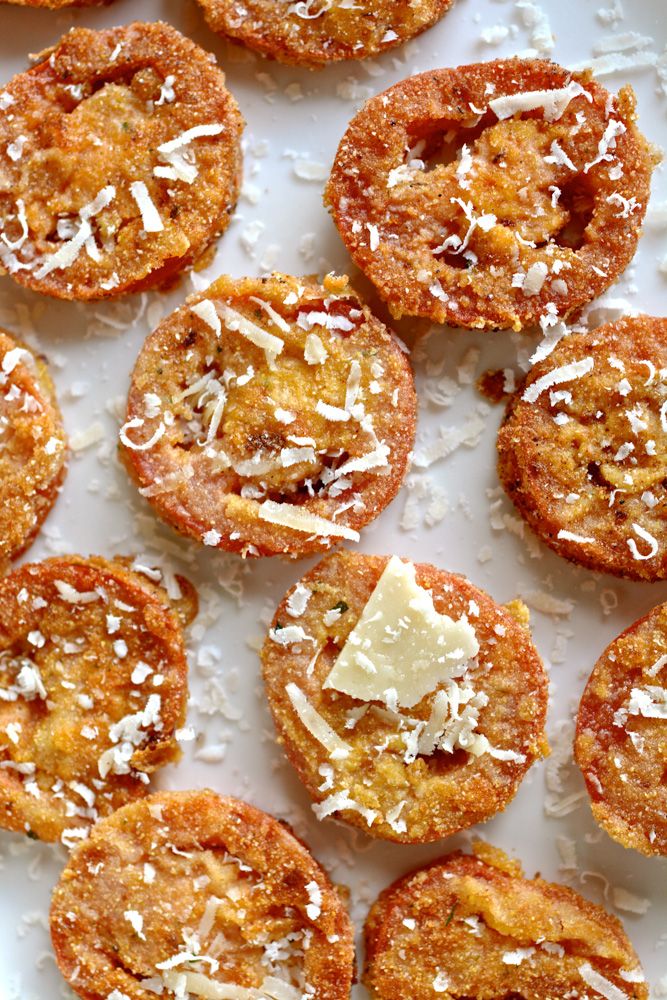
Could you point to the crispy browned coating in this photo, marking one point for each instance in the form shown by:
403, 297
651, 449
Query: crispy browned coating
433, 795
621, 742
93, 686
316, 32
81, 129
235, 430
199, 875
449, 210
57, 4
588, 456
474, 926
33, 450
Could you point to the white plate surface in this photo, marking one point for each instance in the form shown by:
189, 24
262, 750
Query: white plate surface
280, 223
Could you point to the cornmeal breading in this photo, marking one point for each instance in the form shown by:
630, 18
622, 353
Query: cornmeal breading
621, 743
270, 416
316, 32
33, 450
188, 893
583, 449
120, 162
493, 195
453, 757
93, 687
473, 926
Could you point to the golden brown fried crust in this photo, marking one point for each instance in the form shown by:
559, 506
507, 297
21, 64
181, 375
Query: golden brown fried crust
92, 690
444, 792
58, 4
450, 241
621, 750
600, 474
253, 434
477, 928
201, 850
336, 32
85, 125
34, 447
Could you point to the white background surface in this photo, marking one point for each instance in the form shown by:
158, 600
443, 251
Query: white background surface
281, 223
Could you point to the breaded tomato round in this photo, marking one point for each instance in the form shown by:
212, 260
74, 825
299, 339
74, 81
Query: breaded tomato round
583, 449
270, 416
120, 162
190, 894
33, 450
492, 195
621, 742
427, 744
93, 687
474, 926
316, 32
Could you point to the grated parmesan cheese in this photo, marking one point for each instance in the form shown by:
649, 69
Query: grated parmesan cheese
299, 519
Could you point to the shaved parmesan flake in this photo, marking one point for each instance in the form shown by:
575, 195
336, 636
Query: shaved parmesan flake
136, 921
553, 102
207, 311
316, 725
238, 323
598, 982
198, 132
315, 353
646, 537
299, 519
566, 373
570, 536
338, 801
401, 642
201, 986
535, 278
441, 982
297, 602
13, 358
73, 596
649, 701
66, 254
147, 445
150, 217
371, 460
334, 413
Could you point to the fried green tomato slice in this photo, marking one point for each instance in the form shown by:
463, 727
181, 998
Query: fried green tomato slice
93, 688
621, 741
583, 450
270, 416
474, 926
313, 33
492, 195
188, 894
120, 162
34, 448
454, 757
